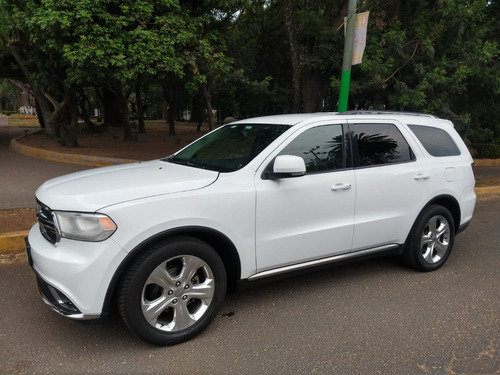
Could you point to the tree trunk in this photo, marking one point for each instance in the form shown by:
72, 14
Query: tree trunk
112, 110
84, 114
45, 108
42, 101
211, 115
309, 84
69, 121
314, 86
125, 121
64, 119
171, 119
140, 108
171, 103
293, 32
39, 114
197, 112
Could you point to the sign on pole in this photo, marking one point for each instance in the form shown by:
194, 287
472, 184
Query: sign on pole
360, 28
346, 62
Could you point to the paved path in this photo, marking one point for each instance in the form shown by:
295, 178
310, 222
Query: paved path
21, 175
484, 172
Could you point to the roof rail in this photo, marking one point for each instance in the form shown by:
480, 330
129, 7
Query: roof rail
381, 112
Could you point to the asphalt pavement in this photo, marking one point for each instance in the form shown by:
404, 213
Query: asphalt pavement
21, 175
370, 317
364, 318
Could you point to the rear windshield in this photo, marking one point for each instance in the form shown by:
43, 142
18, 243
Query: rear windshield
436, 141
230, 147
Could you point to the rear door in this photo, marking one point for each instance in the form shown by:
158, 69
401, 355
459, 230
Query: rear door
389, 182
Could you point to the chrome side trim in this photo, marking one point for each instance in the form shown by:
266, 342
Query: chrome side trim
318, 262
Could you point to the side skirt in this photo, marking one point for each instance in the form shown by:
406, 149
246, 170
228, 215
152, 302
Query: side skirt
294, 269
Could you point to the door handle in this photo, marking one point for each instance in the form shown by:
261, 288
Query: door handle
341, 186
422, 176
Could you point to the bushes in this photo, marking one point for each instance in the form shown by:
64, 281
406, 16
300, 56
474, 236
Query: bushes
487, 150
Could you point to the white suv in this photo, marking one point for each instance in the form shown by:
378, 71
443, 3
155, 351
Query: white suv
255, 198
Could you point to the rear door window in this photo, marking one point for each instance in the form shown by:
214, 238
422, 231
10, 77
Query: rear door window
437, 142
379, 144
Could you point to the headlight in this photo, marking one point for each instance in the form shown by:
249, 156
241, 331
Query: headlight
84, 226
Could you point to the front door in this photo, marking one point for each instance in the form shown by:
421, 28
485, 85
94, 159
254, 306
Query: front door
308, 217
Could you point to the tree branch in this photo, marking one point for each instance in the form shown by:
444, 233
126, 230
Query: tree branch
402, 66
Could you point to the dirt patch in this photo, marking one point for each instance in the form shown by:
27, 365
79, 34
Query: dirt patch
13, 257
17, 220
154, 144
488, 181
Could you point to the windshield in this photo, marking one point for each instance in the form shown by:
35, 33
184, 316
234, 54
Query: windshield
230, 147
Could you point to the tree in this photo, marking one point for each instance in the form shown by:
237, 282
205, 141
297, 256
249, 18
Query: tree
315, 48
208, 63
62, 46
432, 56
10, 95
252, 57
260, 82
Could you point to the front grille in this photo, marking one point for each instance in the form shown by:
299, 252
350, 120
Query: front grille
47, 223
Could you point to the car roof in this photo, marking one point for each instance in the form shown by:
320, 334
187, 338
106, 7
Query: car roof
294, 119
288, 119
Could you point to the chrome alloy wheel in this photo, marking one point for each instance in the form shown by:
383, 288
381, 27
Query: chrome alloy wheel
435, 239
177, 293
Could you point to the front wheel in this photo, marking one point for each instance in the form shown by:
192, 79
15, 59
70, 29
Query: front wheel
431, 239
172, 291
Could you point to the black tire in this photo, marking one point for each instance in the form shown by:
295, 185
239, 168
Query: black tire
431, 239
189, 290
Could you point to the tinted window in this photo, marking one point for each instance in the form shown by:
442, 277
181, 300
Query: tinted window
228, 148
380, 144
436, 141
322, 148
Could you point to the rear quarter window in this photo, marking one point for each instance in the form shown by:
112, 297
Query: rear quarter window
437, 142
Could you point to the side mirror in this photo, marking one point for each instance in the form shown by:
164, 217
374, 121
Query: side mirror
286, 166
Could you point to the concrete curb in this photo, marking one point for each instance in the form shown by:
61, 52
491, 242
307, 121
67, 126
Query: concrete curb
14, 241
79, 159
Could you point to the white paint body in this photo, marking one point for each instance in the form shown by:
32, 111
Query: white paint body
272, 223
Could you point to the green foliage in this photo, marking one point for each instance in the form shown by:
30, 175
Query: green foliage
439, 57
260, 82
10, 97
104, 40
487, 150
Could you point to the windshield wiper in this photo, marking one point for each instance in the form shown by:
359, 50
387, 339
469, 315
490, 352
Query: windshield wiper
187, 162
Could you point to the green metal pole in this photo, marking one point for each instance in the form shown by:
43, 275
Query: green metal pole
345, 78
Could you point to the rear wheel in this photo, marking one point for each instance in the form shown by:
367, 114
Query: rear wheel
431, 239
173, 291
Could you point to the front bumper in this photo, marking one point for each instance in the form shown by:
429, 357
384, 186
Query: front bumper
73, 277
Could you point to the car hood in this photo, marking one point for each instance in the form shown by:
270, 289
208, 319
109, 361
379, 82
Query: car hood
94, 189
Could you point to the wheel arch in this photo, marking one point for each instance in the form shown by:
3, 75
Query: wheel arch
218, 241
451, 204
